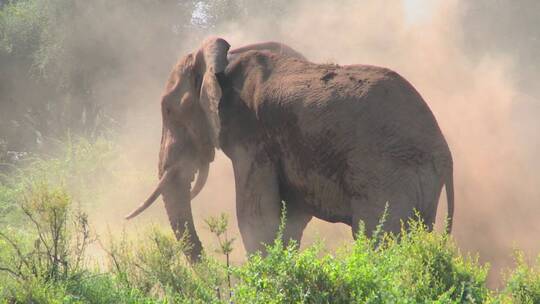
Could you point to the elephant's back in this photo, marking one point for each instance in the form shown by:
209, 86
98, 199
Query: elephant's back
352, 119
356, 89
368, 103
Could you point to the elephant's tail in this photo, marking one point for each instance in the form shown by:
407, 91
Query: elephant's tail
449, 185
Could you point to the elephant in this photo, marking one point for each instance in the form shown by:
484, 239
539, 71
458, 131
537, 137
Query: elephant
340, 143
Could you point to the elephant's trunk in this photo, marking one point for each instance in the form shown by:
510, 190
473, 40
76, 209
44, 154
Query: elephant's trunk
202, 176
176, 196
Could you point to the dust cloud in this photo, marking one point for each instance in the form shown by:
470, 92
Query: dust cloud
484, 114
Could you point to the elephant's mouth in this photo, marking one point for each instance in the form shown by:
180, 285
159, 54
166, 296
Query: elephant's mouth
202, 177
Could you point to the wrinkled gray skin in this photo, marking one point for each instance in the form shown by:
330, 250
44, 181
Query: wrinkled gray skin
334, 142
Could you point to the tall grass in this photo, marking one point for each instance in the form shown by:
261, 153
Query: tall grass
45, 236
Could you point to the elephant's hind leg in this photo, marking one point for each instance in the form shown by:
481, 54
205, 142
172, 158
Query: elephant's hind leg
398, 195
428, 193
409, 192
370, 212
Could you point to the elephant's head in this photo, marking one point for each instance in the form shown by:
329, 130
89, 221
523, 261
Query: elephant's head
191, 127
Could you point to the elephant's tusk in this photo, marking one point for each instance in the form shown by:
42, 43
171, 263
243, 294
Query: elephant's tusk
152, 197
202, 176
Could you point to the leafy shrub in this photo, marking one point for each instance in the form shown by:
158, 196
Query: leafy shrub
155, 264
104, 288
43, 252
523, 284
52, 250
50, 259
218, 226
419, 267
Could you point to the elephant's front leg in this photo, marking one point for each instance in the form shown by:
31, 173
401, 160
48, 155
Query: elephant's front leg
258, 203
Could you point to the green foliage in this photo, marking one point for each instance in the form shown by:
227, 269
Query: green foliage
218, 226
96, 288
420, 267
523, 284
156, 265
51, 250
46, 234
54, 254
103, 288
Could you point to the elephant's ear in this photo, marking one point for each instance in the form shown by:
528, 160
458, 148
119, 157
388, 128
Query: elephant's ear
214, 61
209, 100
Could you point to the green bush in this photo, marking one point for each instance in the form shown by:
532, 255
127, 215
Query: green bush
155, 264
420, 267
43, 242
523, 284
43, 235
50, 251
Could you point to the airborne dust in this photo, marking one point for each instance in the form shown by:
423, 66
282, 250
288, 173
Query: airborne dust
478, 95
